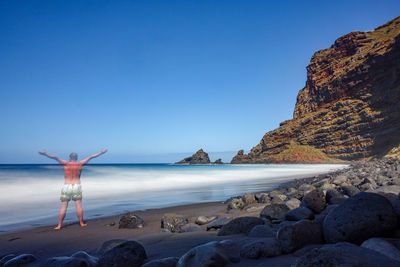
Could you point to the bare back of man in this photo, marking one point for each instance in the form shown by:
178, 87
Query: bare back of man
72, 189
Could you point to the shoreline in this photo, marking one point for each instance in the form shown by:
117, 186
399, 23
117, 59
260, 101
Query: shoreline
44, 241
291, 179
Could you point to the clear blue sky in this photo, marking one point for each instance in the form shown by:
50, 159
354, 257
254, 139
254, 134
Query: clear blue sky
156, 80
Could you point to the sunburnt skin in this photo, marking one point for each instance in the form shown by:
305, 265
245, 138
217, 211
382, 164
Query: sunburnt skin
72, 184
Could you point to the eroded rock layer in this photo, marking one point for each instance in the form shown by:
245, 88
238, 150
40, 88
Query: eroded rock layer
350, 106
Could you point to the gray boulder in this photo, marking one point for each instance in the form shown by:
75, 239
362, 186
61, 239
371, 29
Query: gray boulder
173, 222
394, 189
274, 211
360, 217
218, 223
344, 254
204, 220
166, 262
382, 246
299, 213
321, 217
190, 227
262, 231
314, 200
6, 258
263, 198
131, 221
109, 244
129, 253
215, 253
350, 190
65, 261
91, 260
332, 193
268, 247
249, 198
20, 260
236, 203
241, 225
293, 203
300, 234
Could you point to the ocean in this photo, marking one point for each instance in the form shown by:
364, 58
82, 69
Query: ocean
29, 193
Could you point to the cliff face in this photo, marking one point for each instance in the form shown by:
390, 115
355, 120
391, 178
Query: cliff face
350, 105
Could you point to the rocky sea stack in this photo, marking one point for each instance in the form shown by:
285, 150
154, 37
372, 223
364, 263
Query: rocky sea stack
348, 108
200, 157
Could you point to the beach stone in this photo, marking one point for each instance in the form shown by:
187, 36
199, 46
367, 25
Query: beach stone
293, 203
285, 223
215, 253
166, 262
314, 200
264, 198
268, 247
131, 221
306, 249
299, 213
331, 193
65, 261
394, 189
306, 188
20, 260
359, 218
190, 227
6, 258
274, 211
262, 231
278, 198
339, 180
218, 223
350, 190
91, 260
129, 253
337, 200
109, 244
382, 246
254, 209
236, 204
344, 254
300, 234
241, 225
249, 198
204, 220
327, 186
173, 222
366, 187
320, 217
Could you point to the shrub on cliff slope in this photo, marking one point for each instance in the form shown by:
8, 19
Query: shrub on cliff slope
302, 154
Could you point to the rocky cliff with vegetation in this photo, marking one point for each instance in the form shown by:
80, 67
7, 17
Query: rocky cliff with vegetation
349, 108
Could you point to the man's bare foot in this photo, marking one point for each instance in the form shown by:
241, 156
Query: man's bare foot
58, 227
83, 224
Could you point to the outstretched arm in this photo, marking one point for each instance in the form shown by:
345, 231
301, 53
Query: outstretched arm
93, 156
44, 153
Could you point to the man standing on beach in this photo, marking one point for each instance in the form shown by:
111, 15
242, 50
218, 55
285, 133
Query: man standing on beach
72, 184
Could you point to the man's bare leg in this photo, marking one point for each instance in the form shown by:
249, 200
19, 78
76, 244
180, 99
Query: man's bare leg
63, 210
79, 212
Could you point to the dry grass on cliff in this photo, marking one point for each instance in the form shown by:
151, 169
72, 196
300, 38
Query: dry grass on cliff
303, 154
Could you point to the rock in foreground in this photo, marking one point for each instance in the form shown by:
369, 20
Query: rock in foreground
359, 218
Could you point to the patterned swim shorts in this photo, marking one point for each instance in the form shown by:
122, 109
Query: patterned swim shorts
71, 191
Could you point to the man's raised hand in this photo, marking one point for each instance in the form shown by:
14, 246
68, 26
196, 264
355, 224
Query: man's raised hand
42, 152
103, 151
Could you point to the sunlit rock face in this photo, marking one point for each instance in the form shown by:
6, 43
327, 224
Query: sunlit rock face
349, 108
